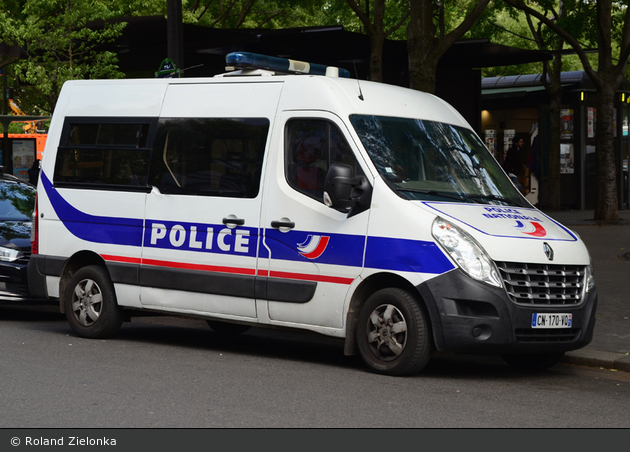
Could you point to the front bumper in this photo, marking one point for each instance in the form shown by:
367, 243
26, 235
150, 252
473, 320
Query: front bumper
14, 281
472, 317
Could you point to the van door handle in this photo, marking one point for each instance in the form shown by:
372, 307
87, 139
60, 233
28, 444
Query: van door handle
283, 224
233, 221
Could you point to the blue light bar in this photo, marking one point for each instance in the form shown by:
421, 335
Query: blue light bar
247, 60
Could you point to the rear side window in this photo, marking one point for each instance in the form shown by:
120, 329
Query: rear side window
210, 156
105, 153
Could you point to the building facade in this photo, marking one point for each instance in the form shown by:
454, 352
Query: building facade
520, 105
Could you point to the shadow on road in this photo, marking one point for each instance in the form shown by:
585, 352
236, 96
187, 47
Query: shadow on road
293, 345
30, 311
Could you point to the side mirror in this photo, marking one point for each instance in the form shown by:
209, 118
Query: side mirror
344, 192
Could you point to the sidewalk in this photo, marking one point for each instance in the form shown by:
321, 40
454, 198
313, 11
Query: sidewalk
609, 247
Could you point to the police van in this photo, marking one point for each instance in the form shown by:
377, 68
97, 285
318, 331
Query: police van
363, 211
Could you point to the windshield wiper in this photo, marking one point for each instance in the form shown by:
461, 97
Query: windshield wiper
459, 197
495, 198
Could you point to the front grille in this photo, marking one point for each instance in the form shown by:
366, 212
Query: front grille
546, 335
543, 284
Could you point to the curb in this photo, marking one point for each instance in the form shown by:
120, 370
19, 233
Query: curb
596, 358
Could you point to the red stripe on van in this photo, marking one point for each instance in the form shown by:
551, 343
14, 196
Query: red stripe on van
318, 278
234, 270
129, 260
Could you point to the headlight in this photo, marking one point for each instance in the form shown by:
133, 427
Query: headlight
466, 252
9, 254
589, 279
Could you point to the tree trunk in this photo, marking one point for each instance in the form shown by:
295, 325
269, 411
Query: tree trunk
607, 204
422, 73
377, 41
555, 93
421, 41
424, 48
373, 22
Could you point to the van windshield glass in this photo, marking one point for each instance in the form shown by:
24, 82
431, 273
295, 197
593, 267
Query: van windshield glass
427, 160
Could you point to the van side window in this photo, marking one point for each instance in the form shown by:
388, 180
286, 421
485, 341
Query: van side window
103, 154
210, 156
311, 146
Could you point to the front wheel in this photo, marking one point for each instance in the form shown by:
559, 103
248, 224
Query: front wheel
532, 362
393, 335
90, 301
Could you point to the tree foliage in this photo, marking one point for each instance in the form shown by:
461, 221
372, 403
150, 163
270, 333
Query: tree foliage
58, 44
7, 32
235, 13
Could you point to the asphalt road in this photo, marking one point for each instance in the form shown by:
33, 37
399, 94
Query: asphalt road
168, 372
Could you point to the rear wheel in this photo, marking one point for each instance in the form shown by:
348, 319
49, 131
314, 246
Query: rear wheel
227, 328
91, 307
532, 362
393, 335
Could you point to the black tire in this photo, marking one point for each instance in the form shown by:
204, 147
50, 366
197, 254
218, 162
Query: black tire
91, 306
393, 335
227, 328
532, 362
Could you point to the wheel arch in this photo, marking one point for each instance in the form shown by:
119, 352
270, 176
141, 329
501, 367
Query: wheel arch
370, 285
71, 266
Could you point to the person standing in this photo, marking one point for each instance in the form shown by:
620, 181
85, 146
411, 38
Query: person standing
33, 173
512, 163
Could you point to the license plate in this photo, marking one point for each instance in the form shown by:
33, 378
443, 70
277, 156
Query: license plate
551, 320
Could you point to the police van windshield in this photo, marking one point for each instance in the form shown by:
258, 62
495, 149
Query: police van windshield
427, 160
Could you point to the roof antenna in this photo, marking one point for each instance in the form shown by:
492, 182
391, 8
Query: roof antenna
180, 71
358, 82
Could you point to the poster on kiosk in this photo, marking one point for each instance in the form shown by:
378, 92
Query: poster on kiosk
23, 157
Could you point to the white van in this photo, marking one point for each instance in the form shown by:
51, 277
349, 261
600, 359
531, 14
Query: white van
363, 211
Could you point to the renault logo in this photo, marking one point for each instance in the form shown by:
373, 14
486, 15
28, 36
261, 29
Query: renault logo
548, 251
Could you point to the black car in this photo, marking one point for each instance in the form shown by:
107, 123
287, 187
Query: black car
17, 201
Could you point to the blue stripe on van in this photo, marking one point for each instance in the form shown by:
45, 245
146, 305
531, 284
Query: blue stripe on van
201, 237
406, 255
341, 249
382, 253
94, 228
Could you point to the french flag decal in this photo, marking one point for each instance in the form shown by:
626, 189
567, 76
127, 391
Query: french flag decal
314, 246
538, 230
